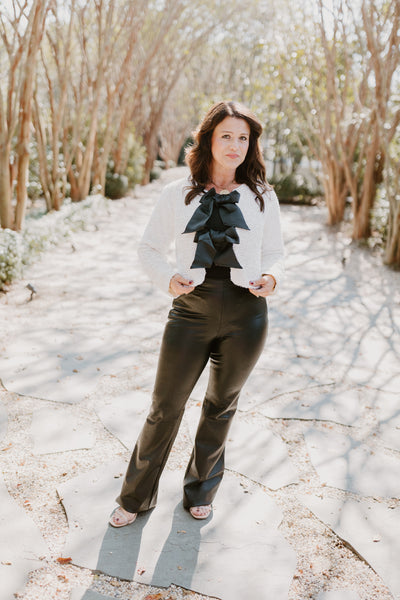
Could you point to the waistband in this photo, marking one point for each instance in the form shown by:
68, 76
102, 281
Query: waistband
217, 272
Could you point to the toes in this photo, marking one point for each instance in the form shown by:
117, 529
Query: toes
121, 517
200, 512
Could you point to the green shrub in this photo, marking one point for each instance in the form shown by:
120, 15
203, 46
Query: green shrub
10, 256
116, 186
297, 187
136, 160
155, 172
182, 154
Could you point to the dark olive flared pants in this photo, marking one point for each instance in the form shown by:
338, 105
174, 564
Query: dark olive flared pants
227, 325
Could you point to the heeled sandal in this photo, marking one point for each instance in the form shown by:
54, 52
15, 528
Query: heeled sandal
124, 517
200, 512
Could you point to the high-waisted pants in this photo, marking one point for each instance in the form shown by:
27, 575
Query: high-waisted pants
227, 325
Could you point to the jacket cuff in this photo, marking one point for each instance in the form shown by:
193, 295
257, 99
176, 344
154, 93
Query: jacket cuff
277, 272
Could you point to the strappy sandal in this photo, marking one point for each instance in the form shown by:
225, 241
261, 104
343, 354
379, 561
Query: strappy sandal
204, 511
120, 518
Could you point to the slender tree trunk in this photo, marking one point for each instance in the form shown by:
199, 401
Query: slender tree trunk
22, 183
151, 144
119, 154
73, 181
86, 169
364, 203
41, 143
392, 250
5, 187
101, 158
336, 191
25, 116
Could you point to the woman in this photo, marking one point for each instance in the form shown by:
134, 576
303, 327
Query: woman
224, 221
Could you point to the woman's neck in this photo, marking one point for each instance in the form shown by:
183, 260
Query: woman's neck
223, 181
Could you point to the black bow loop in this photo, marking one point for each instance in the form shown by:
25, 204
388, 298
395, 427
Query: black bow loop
216, 246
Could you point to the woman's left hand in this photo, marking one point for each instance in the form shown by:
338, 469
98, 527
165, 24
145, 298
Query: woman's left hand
263, 286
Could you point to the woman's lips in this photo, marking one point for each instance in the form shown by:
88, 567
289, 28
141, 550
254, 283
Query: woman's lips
233, 155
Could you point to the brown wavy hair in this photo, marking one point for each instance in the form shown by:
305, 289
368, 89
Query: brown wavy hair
199, 157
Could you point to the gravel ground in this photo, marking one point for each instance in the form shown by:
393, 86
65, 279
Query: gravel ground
325, 561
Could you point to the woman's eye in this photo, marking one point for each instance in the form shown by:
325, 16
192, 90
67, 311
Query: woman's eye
243, 138
226, 136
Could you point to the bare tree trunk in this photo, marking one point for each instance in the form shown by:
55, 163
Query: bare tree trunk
336, 191
41, 143
5, 188
25, 114
102, 154
150, 141
392, 250
365, 202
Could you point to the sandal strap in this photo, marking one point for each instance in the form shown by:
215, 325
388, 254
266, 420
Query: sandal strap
120, 512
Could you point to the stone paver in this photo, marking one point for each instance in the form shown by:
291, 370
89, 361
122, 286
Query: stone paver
330, 402
57, 430
345, 463
166, 545
66, 369
124, 415
373, 529
388, 417
267, 389
21, 545
272, 466
389, 433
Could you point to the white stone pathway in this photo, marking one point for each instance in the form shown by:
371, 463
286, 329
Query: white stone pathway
309, 506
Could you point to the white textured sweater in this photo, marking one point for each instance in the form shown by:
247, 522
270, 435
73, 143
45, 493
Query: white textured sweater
260, 250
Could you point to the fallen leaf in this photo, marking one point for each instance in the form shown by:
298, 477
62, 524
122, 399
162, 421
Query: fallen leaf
141, 571
7, 447
5, 562
63, 577
64, 561
153, 597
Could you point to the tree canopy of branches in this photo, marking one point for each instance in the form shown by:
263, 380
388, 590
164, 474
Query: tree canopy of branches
342, 79
86, 83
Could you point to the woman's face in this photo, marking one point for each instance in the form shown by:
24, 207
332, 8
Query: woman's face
229, 143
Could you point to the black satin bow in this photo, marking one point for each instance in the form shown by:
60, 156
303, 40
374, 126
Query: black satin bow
216, 246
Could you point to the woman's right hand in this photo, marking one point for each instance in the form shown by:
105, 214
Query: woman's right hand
179, 285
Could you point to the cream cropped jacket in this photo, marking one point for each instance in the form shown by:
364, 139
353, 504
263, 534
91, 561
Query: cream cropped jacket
259, 252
